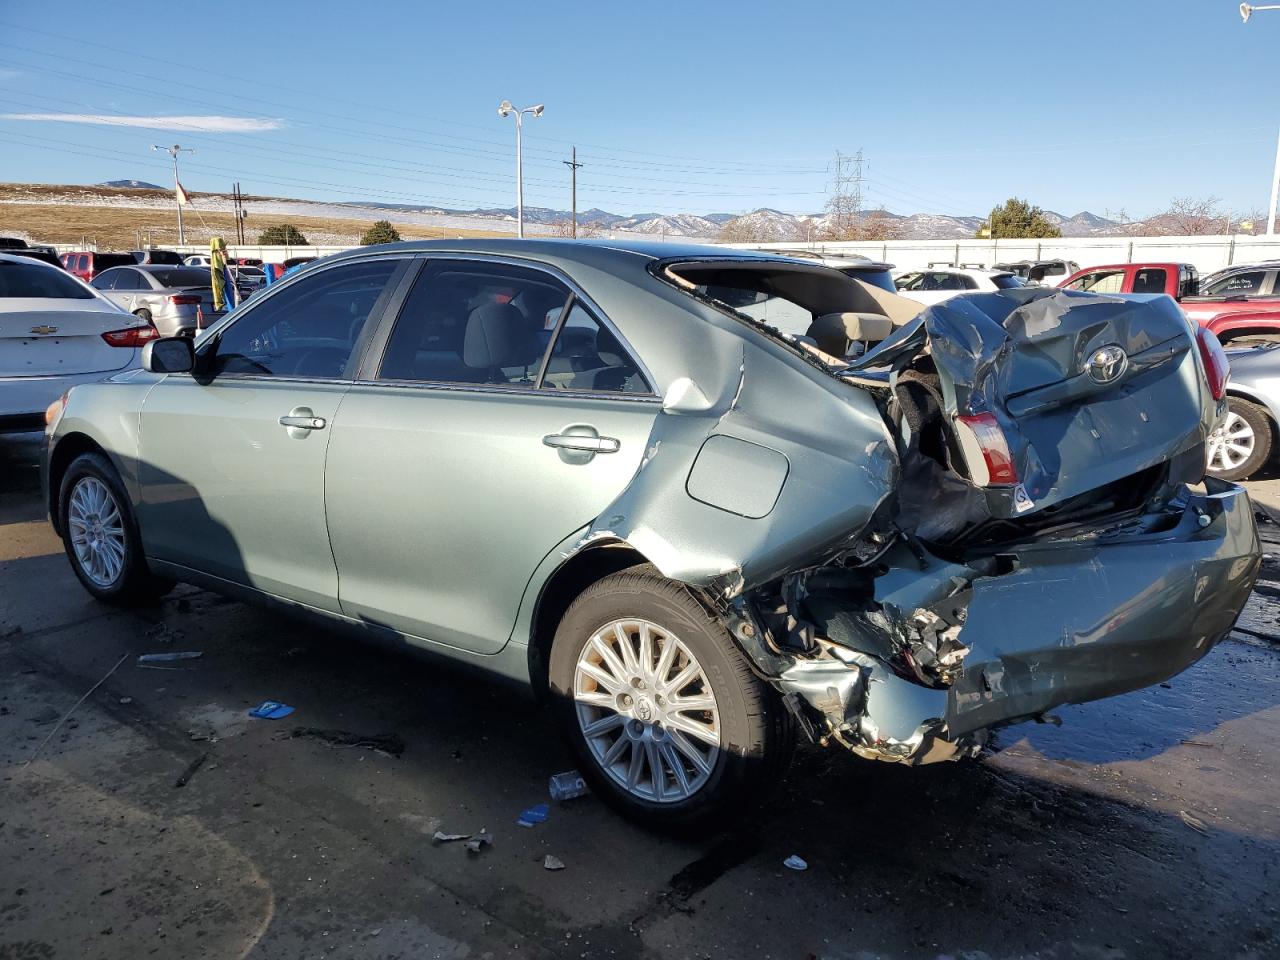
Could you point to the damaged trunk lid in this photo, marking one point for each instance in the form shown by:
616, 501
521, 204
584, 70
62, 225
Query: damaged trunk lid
1030, 402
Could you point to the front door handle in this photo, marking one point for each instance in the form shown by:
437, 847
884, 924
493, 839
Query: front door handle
584, 443
300, 421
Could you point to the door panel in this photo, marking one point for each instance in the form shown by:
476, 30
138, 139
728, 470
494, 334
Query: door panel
228, 487
229, 490
442, 502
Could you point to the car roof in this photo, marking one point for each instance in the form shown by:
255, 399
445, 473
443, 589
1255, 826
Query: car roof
20, 258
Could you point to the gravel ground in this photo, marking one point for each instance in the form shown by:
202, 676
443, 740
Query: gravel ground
160, 820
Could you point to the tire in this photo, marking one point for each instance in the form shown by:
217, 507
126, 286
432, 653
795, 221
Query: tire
746, 741
1241, 445
111, 566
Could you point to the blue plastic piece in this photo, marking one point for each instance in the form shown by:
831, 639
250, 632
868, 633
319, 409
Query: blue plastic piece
534, 815
270, 710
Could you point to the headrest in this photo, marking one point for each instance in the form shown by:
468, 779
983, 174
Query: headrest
833, 331
498, 336
609, 349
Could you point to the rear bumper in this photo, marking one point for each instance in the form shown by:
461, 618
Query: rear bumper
1072, 622
25, 399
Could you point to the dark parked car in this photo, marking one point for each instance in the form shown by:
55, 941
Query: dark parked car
161, 257
578, 465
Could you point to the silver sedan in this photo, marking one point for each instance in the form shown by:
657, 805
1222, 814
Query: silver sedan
588, 468
172, 299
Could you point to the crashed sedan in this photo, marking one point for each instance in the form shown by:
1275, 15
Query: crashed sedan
704, 501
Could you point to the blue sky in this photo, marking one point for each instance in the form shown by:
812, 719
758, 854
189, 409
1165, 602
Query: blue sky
699, 107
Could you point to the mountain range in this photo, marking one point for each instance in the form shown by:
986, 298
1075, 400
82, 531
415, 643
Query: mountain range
764, 223
760, 224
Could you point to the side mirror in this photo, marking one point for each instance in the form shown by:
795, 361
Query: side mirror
168, 355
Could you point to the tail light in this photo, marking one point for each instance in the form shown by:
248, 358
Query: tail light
130, 337
986, 451
184, 299
1216, 366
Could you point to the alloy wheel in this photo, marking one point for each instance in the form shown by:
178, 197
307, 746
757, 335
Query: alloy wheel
96, 527
647, 711
1231, 444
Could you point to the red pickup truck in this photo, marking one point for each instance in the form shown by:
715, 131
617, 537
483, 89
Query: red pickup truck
1238, 302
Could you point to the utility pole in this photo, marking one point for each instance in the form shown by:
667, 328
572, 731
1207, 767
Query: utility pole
177, 184
573, 166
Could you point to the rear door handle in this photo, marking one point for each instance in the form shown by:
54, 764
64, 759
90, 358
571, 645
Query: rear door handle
303, 423
584, 443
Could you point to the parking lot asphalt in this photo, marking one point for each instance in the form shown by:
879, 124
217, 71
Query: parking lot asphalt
160, 820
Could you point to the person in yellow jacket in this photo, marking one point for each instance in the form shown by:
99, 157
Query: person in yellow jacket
222, 297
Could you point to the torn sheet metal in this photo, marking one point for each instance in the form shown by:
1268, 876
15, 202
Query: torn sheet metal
1127, 609
1024, 357
821, 444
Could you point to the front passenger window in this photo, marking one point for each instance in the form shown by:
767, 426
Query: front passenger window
308, 329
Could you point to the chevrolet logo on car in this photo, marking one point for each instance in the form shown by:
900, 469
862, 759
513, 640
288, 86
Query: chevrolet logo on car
44, 330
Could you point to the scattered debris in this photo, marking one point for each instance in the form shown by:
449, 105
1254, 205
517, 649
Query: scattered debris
125, 701
480, 840
441, 837
150, 658
270, 710
388, 744
567, 786
36, 752
534, 816
1194, 822
185, 777
552, 863
795, 863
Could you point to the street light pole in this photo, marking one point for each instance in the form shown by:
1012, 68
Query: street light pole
177, 184
1246, 11
504, 109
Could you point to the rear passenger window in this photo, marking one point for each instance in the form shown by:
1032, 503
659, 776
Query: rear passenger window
1237, 285
1150, 281
587, 356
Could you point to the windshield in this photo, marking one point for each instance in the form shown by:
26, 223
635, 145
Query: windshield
876, 276
40, 282
182, 277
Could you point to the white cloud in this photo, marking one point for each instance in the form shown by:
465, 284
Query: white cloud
200, 124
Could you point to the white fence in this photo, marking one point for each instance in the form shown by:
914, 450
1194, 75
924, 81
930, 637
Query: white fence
1208, 253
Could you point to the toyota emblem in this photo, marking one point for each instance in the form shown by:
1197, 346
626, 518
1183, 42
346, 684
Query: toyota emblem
1107, 364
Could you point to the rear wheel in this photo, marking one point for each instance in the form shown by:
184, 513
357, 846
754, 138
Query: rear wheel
100, 535
1241, 444
668, 722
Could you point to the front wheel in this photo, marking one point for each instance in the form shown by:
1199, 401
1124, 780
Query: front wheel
100, 535
1241, 444
668, 722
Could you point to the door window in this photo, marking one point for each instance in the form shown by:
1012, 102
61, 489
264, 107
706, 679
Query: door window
132, 280
1247, 284
588, 356
1100, 281
1150, 280
481, 323
308, 329
106, 280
